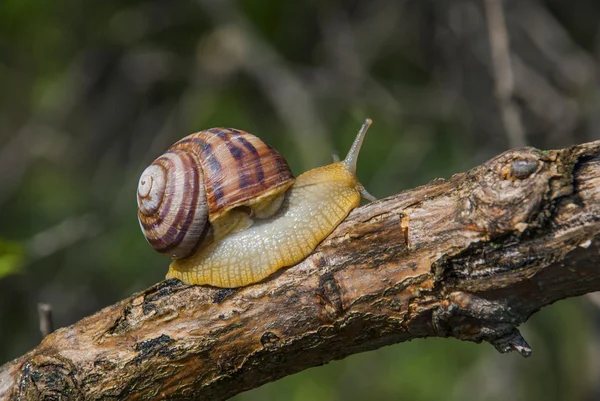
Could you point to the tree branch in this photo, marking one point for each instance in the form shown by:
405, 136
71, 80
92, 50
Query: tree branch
471, 257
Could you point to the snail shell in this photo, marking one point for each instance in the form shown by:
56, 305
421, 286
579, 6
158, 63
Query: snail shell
199, 180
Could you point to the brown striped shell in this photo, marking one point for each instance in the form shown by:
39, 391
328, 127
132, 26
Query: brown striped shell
199, 179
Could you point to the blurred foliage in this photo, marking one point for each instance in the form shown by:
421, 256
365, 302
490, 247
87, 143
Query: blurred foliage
91, 92
11, 257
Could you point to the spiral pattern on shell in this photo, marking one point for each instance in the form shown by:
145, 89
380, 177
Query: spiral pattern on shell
199, 179
172, 209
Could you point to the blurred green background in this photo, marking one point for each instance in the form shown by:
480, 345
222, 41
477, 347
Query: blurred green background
92, 91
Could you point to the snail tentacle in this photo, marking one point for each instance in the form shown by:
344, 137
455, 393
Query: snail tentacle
352, 156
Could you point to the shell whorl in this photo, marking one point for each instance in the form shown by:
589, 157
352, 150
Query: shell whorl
199, 180
172, 208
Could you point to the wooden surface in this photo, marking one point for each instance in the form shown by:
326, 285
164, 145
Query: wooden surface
470, 257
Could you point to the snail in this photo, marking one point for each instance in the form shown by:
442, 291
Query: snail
226, 208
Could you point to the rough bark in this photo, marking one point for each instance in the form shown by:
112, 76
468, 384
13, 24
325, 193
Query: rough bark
470, 257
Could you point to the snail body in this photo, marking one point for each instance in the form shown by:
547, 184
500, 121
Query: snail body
278, 227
